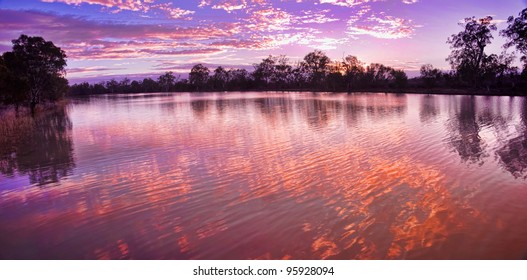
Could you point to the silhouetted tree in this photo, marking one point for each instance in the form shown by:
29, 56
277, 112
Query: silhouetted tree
353, 71
264, 71
166, 81
516, 34
399, 78
239, 79
199, 76
496, 67
282, 72
149, 85
13, 89
112, 86
468, 48
430, 75
316, 66
220, 78
42, 64
377, 75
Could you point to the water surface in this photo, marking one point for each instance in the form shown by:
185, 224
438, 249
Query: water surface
270, 176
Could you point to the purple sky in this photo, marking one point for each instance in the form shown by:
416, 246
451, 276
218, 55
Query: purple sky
137, 38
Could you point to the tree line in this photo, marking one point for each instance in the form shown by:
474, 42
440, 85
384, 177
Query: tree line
472, 68
33, 72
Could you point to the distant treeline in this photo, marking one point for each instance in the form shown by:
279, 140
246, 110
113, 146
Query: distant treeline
315, 73
33, 72
472, 69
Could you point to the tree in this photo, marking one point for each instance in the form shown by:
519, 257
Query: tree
468, 48
377, 75
264, 71
199, 75
399, 78
316, 65
112, 86
430, 75
496, 67
167, 81
282, 72
220, 78
516, 34
42, 64
238, 78
353, 70
13, 89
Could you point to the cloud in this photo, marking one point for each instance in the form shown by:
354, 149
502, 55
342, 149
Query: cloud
231, 5
133, 5
346, 3
318, 17
269, 19
86, 39
381, 26
174, 13
93, 69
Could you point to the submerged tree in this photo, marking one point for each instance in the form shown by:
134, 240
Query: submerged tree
516, 34
41, 64
468, 48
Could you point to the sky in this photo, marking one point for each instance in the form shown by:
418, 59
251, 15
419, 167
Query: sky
144, 38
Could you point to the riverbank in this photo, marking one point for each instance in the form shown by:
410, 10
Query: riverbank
438, 91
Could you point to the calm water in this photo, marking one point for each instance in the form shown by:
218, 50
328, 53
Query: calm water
270, 176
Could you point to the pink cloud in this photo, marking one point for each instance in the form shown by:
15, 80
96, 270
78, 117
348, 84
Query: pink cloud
346, 3
175, 13
231, 5
269, 19
381, 26
133, 5
318, 17
84, 39
92, 69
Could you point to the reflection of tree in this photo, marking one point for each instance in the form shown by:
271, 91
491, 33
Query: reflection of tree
200, 107
45, 151
464, 132
513, 154
385, 106
274, 108
319, 112
429, 108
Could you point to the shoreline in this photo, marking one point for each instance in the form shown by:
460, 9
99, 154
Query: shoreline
434, 91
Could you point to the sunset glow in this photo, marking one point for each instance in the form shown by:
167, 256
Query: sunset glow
140, 38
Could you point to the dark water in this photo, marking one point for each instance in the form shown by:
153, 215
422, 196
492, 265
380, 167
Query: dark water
270, 176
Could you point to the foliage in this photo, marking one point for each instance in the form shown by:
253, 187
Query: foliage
38, 66
198, 76
468, 48
430, 75
516, 34
316, 66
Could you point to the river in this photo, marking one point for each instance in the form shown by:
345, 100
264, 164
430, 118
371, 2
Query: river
270, 176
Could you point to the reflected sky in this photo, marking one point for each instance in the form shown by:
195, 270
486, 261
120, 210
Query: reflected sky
270, 176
